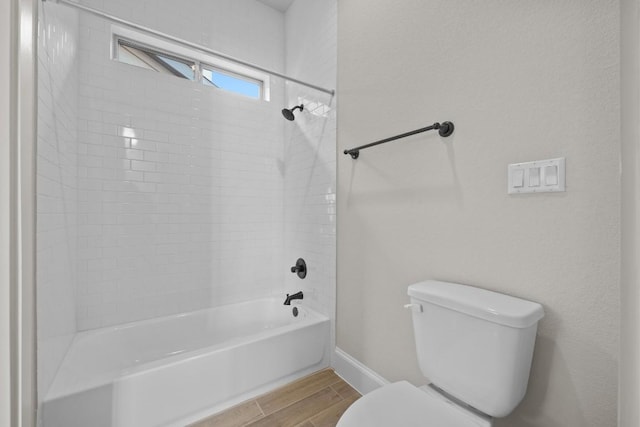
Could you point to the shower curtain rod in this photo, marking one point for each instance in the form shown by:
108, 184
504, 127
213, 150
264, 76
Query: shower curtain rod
187, 43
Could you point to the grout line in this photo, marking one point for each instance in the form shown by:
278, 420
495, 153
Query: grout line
302, 397
336, 392
338, 379
324, 410
264, 414
292, 383
256, 419
260, 407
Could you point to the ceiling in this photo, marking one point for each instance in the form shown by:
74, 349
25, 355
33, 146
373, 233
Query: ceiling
281, 5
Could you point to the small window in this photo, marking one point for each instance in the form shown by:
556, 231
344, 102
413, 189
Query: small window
232, 82
141, 56
163, 57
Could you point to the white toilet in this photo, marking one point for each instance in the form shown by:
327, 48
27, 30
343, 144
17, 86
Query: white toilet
476, 348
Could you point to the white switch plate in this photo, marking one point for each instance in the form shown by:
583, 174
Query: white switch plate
528, 171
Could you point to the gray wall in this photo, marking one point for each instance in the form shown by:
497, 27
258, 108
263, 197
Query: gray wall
522, 81
629, 391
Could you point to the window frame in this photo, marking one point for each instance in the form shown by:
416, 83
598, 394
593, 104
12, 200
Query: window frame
185, 54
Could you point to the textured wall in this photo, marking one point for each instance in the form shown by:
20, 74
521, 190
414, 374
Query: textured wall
629, 391
522, 81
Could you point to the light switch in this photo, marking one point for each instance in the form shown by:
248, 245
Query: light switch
551, 175
518, 178
540, 176
534, 177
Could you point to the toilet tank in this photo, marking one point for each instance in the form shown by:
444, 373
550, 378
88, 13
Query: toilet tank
475, 344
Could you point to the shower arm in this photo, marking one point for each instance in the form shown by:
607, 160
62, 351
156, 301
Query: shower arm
183, 42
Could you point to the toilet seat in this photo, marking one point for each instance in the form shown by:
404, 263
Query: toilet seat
403, 404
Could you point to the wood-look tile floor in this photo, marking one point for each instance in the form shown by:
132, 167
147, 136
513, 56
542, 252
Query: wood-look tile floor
317, 400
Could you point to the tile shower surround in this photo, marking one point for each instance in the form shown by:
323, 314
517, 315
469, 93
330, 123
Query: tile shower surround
181, 188
168, 209
310, 152
157, 195
57, 188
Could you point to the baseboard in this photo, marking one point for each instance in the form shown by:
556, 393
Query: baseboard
355, 373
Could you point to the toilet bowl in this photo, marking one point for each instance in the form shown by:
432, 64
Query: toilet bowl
405, 405
475, 346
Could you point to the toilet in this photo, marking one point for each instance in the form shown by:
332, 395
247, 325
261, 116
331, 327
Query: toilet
474, 345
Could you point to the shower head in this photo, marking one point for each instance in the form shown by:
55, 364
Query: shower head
288, 113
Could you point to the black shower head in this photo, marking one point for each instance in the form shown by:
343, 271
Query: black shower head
288, 113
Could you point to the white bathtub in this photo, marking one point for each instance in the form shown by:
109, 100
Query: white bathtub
171, 370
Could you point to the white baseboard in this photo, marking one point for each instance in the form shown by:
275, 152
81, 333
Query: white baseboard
355, 373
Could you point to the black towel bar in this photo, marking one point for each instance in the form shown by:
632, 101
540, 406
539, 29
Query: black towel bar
445, 129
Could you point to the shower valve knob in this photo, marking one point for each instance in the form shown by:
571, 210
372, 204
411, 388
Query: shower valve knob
300, 268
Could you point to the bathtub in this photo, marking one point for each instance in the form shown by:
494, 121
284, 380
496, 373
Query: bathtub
173, 370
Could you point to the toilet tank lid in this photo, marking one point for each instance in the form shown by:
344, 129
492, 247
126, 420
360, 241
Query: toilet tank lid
488, 305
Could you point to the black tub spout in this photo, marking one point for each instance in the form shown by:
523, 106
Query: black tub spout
297, 295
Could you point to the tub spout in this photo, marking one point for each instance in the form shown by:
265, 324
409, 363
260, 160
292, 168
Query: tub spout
297, 295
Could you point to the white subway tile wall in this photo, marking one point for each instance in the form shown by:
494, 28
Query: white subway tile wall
178, 196
180, 189
310, 152
57, 184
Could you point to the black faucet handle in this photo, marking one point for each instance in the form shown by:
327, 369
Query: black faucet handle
300, 268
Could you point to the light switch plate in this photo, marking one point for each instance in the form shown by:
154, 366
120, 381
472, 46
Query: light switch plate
535, 173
